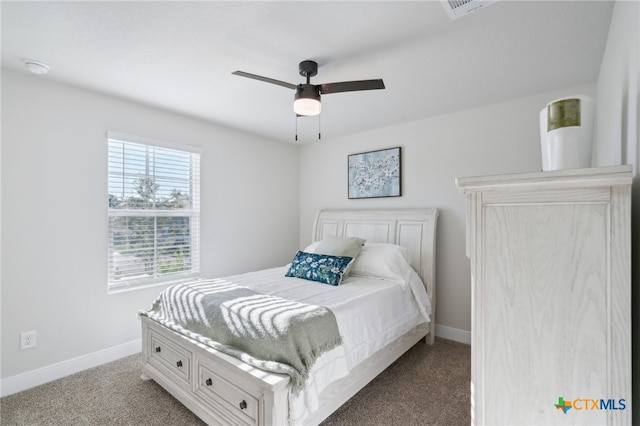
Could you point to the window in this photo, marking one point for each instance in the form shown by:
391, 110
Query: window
154, 213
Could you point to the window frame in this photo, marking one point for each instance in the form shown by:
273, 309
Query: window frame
192, 212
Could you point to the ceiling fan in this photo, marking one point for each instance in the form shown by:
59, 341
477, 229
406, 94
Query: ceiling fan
307, 97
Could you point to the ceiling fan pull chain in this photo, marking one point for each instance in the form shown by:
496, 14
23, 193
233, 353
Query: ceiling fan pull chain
319, 127
296, 127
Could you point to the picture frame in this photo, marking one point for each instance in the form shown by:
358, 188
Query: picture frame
375, 174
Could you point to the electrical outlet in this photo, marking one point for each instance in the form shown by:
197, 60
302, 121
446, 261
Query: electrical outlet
28, 340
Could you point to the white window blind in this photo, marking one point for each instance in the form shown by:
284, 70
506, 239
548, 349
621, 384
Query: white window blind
154, 213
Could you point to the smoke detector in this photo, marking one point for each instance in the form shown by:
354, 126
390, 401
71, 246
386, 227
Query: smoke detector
458, 8
36, 67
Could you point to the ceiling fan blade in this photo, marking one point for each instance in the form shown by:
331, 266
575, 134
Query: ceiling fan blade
351, 86
265, 79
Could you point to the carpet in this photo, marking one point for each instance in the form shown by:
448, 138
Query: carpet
428, 385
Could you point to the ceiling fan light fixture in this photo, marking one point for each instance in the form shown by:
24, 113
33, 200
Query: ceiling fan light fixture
307, 101
306, 106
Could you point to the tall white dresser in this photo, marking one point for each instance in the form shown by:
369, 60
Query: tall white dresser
551, 297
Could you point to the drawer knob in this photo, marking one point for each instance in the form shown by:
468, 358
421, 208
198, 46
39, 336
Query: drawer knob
243, 404
158, 349
209, 382
179, 364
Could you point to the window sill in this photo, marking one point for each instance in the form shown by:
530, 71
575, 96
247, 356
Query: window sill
117, 289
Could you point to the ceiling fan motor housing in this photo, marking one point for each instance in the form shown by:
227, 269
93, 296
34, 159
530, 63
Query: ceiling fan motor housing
307, 91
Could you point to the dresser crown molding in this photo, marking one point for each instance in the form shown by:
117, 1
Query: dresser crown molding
592, 177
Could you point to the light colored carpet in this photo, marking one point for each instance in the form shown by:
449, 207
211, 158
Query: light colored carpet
429, 385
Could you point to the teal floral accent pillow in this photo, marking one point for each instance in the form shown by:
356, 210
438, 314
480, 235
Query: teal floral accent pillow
319, 267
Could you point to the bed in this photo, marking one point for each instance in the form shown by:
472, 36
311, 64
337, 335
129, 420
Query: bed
223, 388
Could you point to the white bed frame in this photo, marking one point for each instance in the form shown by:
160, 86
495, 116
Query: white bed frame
221, 389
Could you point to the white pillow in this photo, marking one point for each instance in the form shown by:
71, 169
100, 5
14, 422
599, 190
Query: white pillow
311, 248
386, 261
338, 246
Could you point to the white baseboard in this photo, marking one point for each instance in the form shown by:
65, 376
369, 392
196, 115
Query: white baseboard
454, 334
40, 376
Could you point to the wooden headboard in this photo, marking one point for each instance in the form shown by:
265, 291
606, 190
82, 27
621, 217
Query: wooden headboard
411, 228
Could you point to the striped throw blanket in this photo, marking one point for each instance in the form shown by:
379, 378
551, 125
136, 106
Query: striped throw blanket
268, 332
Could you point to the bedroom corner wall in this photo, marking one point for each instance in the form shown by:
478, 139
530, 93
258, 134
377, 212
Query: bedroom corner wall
54, 218
495, 139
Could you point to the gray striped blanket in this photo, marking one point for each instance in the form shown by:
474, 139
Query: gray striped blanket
265, 331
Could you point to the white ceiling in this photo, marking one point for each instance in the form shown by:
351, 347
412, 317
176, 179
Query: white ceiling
179, 56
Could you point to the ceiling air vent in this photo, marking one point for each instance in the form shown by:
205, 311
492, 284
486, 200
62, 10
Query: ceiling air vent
458, 8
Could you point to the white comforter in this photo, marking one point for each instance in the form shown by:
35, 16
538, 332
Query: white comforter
370, 312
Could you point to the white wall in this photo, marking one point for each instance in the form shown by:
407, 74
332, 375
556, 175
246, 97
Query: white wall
54, 214
618, 90
618, 137
495, 139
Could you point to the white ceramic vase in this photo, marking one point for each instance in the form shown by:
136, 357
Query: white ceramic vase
566, 133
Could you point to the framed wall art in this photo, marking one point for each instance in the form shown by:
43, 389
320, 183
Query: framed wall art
375, 174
